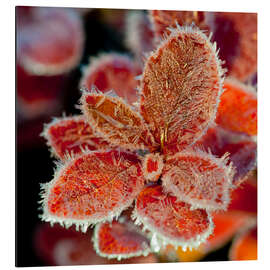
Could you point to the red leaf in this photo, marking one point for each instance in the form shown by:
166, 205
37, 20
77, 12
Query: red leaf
92, 188
69, 135
181, 86
170, 221
50, 40
120, 239
239, 29
199, 179
116, 121
112, 72
237, 110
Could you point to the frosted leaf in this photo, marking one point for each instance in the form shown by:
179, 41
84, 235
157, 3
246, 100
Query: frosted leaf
91, 188
170, 221
116, 121
71, 135
181, 85
120, 239
199, 178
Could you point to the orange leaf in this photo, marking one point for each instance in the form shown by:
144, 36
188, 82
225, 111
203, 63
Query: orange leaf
69, 135
116, 121
120, 239
170, 221
181, 86
237, 110
91, 188
244, 246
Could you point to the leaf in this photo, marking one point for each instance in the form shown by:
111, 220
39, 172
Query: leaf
226, 225
112, 72
239, 29
181, 85
237, 110
170, 221
116, 121
50, 40
91, 188
163, 19
199, 178
70, 135
242, 150
244, 246
120, 239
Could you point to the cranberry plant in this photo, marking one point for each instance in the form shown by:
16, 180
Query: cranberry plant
142, 166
